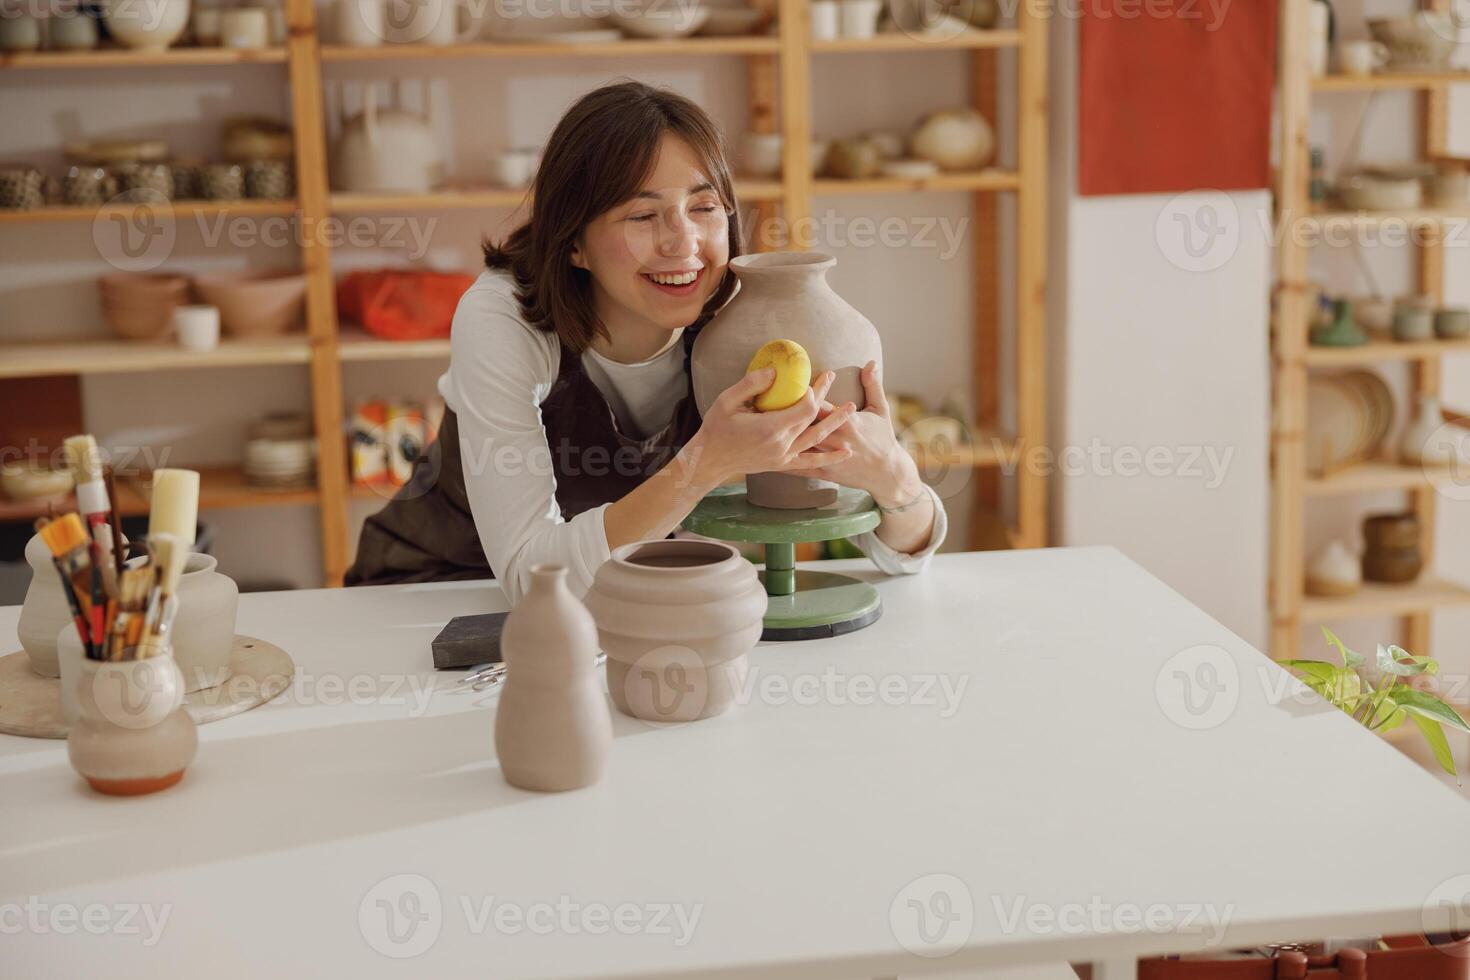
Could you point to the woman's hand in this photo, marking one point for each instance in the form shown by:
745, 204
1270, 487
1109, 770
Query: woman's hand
735, 440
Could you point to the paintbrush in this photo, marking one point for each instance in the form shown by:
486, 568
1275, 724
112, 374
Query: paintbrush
118, 558
86, 468
133, 588
67, 540
169, 554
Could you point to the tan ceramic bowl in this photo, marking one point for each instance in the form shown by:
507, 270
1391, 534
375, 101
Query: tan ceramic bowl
141, 307
255, 304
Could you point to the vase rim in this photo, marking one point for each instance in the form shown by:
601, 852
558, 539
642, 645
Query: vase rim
787, 263
718, 552
196, 563
549, 571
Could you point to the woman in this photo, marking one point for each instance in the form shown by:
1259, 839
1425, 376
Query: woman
570, 426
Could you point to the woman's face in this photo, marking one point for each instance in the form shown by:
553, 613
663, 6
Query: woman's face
659, 256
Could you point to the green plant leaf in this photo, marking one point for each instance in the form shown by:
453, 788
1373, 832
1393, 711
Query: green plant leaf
1390, 662
1438, 744
1349, 658
1338, 685
1426, 705
1388, 714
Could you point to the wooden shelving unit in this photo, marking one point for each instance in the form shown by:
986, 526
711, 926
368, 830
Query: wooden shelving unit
1292, 484
779, 76
172, 210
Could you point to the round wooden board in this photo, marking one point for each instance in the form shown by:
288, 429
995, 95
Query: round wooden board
30, 705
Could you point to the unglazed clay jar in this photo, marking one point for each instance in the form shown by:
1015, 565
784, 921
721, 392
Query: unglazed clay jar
45, 611
676, 619
553, 729
203, 633
132, 734
785, 296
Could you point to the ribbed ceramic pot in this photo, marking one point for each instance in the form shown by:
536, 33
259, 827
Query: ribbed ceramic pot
132, 734
553, 730
45, 611
203, 631
676, 619
785, 296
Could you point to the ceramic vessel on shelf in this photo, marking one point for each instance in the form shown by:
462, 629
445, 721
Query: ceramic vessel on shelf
1448, 188
391, 151
1343, 331
956, 139
245, 28
785, 296
1349, 418
1374, 313
1361, 57
434, 22
826, 19
853, 159
28, 480
22, 187
1392, 554
260, 303
1452, 323
859, 18
197, 327
222, 181
515, 168
1429, 440
676, 619
817, 151
132, 734
247, 138
70, 29
204, 629
1412, 323
909, 169
361, 23
206, 26
733, 21
1423, 41
1335, 571
140, 306
761, 154
1320, 35
891, 144
1372, 191
149, 26
553, 730
659, 20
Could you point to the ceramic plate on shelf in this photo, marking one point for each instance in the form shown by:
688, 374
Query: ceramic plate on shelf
1334, 423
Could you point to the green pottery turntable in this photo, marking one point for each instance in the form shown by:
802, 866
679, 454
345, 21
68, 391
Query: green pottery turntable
802, 605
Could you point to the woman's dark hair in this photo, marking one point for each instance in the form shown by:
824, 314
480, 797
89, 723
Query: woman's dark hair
598, 157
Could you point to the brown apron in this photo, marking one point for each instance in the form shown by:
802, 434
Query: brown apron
426, 532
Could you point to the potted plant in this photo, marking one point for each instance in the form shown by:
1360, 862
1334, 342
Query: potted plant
1379, 706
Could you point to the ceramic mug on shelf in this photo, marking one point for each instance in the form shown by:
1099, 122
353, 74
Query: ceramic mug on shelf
859, 18
825, 19
515, 168
1361, 57
1452, 323
197, 327
361, 23
1412, 323
20, 30
22, 187
434, 22
71, 31
762, 154
245, 28
222, 182
88, 185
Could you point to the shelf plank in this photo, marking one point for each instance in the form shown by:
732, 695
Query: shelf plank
128, 58
1386, 81
983, 180
356, 344
452, 199
1377, 599
174, 210
966, 40
1377, 476
1383, 348
220, 488
34, 359
685, 46
1343, 220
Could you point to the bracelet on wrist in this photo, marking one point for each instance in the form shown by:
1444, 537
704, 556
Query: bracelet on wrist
899, 509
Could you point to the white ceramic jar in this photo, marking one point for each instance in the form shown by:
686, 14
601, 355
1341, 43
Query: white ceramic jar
150, 26
203, 633
45, 611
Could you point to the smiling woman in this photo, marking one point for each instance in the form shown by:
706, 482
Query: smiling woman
570, 427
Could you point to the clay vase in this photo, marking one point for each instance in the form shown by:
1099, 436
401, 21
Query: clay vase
45, 611
785, 296
676, 620
203, 632
1428, 441
553, 729
132, 734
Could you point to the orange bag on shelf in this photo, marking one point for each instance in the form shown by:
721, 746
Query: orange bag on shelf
402, 304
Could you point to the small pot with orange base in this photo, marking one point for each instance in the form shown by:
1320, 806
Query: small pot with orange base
132, 735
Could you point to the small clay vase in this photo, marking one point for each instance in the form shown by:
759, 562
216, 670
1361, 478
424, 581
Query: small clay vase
676, 619
553, 729
132, 735
1452, 323
1343, 331
1335, 571
785, 296
203, 632
1392, 554
1427, 441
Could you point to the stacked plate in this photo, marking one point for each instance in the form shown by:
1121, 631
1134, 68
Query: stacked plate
281, 454
1349, 416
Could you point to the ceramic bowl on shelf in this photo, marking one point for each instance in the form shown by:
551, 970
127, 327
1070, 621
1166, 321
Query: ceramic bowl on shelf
32, 481
1369, 191
149, 26
659, 20
732, 21
141, 306
761, 154
1423, 41
1373, 312
117, 151
909, 169
255, 304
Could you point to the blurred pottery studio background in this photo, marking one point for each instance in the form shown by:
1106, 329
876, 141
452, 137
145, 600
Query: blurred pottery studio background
1187, 279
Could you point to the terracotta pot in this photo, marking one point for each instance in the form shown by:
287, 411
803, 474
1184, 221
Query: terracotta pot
785, 296
132, 734
255, 304
203, 632
553, 729
676, 619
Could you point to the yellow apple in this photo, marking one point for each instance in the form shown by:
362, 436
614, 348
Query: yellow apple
793, 374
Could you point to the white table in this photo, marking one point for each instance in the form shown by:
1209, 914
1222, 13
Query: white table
1058, 786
